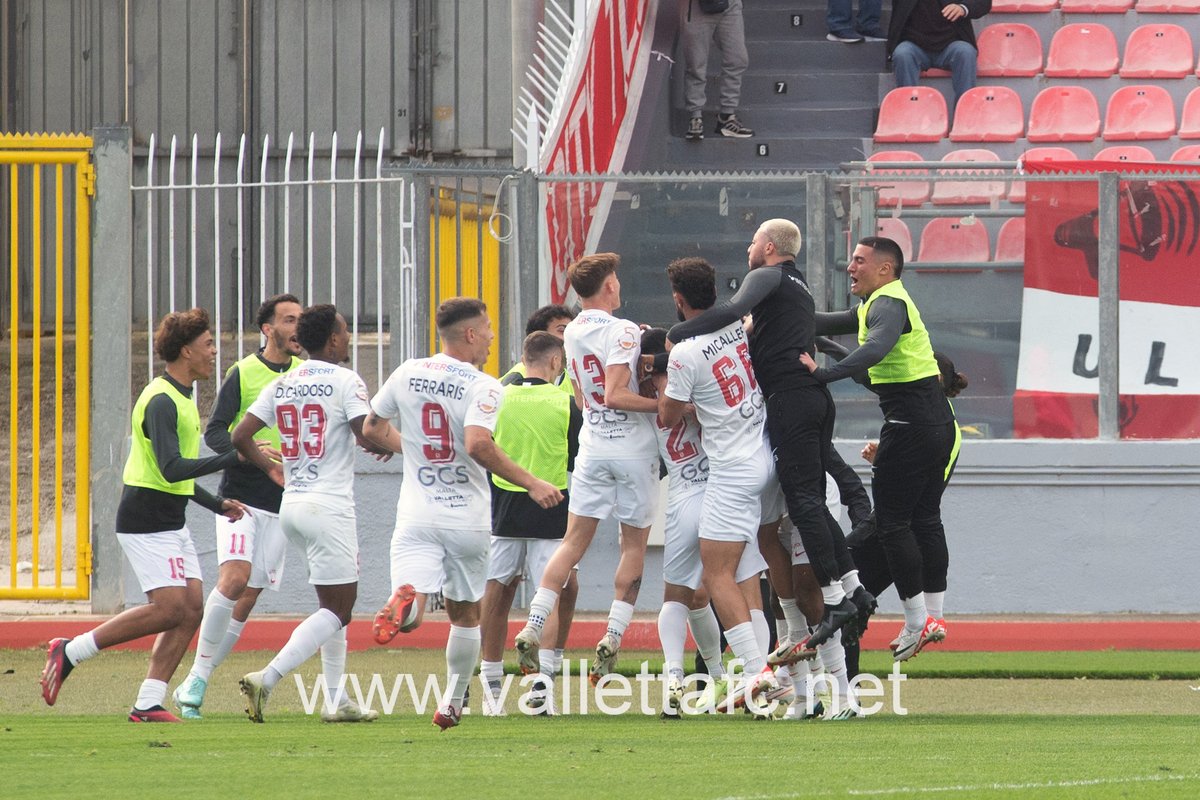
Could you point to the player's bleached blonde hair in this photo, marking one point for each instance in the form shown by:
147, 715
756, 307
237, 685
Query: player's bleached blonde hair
782, 233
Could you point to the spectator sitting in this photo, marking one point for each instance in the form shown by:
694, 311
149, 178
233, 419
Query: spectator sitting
839, 21
934, 33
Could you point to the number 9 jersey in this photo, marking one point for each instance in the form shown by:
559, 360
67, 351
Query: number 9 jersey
312, 407
433, 400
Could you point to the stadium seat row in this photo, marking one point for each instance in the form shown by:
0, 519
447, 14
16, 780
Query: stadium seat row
957, 239
1058, 114
1085, 50
913, 193
1096, 6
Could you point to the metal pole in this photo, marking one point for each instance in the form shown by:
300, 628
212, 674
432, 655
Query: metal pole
112, 304
1110, 293
816, 185
523, 274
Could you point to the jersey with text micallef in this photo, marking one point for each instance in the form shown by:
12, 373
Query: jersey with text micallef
595, 340
433, 400
682, 451
714, 373
311, 407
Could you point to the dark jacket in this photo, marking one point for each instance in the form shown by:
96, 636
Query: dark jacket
902, 9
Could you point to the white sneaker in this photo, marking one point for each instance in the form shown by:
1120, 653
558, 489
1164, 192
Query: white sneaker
909, 643
674, 695
541, 698
256, 695
528, 641
606, 658
349, 711
491, 701
799, 709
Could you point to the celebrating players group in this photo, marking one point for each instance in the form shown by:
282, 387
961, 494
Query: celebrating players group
730, 401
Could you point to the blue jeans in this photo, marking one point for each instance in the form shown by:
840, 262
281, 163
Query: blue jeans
959, 58
839, 16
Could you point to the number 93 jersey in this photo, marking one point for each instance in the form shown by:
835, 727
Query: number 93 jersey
713, 372
433, 400
312, 407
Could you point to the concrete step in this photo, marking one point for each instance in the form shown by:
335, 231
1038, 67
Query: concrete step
759, 86
718, 153
789, 22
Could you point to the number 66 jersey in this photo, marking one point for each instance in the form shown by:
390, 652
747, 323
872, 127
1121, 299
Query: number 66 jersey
312, 407
434, 399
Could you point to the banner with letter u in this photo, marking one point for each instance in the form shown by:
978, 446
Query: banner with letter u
1058, 375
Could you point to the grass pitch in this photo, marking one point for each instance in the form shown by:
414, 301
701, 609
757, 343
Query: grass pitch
963, 737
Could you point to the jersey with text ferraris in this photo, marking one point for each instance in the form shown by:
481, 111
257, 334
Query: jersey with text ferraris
594, 341
433, 400
713, 372
311, 407
682, 450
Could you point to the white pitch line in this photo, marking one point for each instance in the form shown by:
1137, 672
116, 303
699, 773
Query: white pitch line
971, 788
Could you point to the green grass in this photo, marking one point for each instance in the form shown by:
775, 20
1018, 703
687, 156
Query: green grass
979, 737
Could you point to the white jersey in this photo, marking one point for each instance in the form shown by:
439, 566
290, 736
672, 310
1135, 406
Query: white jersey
713, 372
433, 400
595, 340
312, 406
683, 453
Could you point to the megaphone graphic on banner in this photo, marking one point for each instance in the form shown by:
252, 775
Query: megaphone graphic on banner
1152, 215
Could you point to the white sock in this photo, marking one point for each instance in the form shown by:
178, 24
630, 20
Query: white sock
833, 658
333, 666
796, 623
808, 671
232, 634
218, 611
781, 629
833, 593
541, 606
915, 612
850, 581
619, 616
491, 671
672, 634
152, 693
462, 652
762, 631
549, 661
744, 645
934, 602
707, 634
302, 645
81, 648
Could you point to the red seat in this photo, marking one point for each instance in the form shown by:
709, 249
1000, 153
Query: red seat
899, 193
1140, 113
1125, 152
1064, 114
949, 192
1082, 50
954, 239
912, 114
988, 114
1024, 6
1158, 51
1189, 126
1009, 49
1189, 152
1010, 242
1165, 7
1017, 193
1095, 6
898, 232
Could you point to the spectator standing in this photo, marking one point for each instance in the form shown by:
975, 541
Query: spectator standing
702, 22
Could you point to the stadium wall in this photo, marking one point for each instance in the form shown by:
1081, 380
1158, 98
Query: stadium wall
1037, 527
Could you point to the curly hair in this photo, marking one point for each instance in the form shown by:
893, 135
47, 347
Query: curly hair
695, 280
177, 330
316, 325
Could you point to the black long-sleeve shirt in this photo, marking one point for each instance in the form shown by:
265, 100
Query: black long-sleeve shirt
784, 325
244, 482
144, 510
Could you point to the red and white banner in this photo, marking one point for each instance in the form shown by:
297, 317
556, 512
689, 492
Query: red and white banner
592, 136
1057, 375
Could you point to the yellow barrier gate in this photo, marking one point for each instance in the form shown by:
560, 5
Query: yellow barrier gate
36, 567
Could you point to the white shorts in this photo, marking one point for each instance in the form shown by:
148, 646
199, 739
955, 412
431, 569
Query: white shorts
327, 533
161, 559
625, 489
774, 507
752, 564
681, 541
733, 500
789, 537
511, 557
258, 538
454, 562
